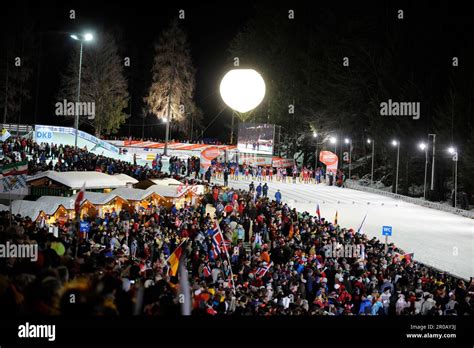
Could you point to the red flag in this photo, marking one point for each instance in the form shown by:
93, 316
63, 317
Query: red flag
79, 199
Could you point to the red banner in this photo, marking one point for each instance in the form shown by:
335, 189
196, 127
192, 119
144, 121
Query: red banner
330, 159
208, 155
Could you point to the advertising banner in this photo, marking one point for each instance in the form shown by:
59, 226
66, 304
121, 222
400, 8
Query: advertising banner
283, 162
208, 155
330, 159
254, 160
65, 135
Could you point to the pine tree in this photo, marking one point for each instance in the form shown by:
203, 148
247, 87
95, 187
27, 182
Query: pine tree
173, 81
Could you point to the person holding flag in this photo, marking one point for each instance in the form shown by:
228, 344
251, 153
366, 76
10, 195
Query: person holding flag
175, 258
261, 271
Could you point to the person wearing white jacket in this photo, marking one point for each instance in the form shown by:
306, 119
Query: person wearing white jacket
401, 304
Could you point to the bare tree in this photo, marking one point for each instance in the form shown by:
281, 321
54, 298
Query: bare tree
102, 82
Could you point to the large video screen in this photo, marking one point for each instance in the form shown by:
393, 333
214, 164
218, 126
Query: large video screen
256, 138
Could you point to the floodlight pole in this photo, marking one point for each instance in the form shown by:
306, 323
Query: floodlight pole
426, 173
433, 161
372, 170
76, 118
398, 164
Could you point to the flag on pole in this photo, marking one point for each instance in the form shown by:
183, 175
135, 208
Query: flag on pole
335, 219
14, 175
13, 182
362, 223
174, 258
218, 241
261, 271
17, 168
79, 199
318, 212
407, 257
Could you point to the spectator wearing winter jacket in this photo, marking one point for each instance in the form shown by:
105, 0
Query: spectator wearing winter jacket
366, 305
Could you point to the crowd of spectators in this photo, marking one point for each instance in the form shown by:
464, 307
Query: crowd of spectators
279, 262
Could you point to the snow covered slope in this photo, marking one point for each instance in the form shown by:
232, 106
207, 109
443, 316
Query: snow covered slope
440, 239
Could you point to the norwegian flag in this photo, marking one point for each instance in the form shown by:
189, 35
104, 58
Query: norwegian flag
261, 271
206, 270
218, 241
227, 244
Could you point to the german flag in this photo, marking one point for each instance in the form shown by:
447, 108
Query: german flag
407, 257
335, 219
174, 258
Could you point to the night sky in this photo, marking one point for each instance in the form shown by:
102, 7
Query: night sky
210, 26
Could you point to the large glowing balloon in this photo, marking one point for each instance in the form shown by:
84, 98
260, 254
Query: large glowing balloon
242, 89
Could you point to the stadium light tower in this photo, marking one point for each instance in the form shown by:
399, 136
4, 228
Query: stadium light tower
315, 136
397, 144
81, 38
349, 142
454, 152
424, 147
371, 141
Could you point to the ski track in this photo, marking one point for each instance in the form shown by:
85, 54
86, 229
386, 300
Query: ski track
437, 238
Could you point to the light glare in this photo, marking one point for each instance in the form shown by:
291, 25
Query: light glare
242, 89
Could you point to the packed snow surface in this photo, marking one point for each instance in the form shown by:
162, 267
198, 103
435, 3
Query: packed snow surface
439, 239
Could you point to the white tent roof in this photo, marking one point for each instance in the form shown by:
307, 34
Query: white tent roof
131, 194
67, 202
92, 180
126, 179
4, 207
166, 191
97, 198
33, 208
166, 181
